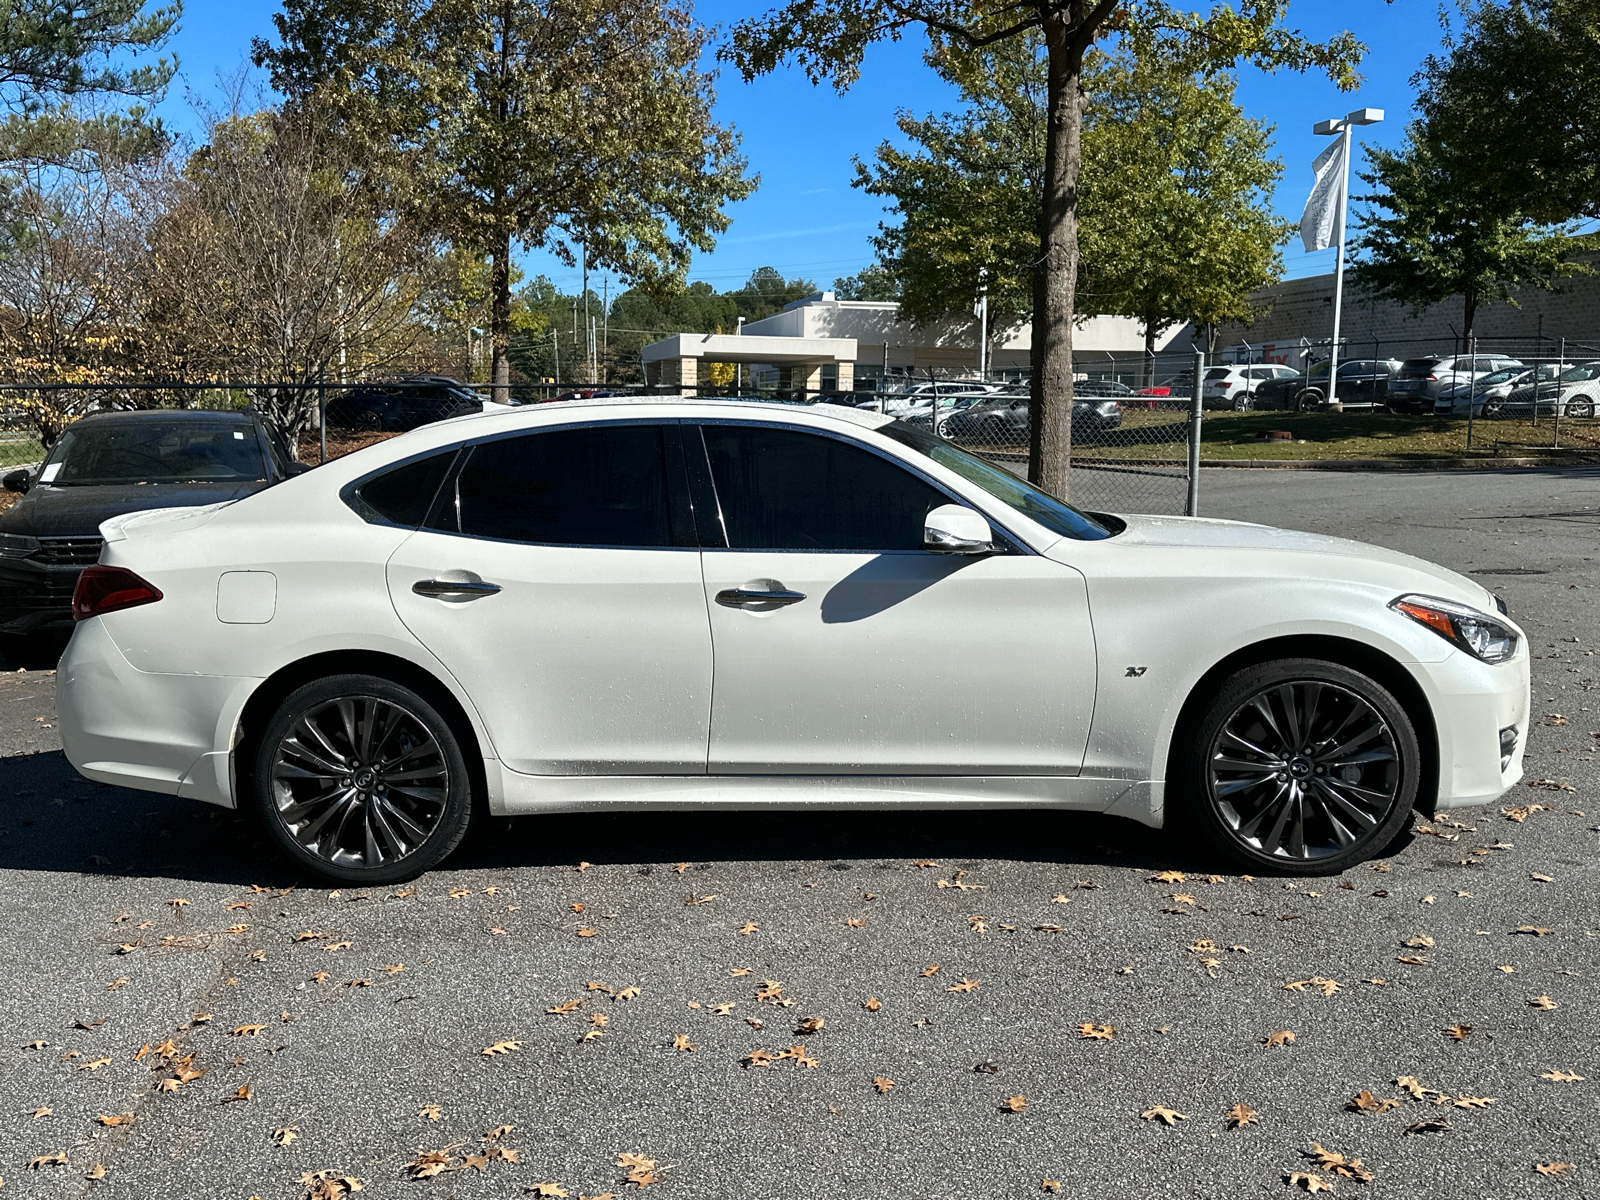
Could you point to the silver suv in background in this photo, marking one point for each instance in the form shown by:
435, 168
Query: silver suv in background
1419, 381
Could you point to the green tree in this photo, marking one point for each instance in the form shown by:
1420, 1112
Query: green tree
875, 282
1436, 233
829, 38
528, 123
1508, 100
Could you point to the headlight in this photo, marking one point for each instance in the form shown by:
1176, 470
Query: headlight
17, 545
1479, 634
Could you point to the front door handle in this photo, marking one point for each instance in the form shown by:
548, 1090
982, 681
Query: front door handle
744, 597
466, 589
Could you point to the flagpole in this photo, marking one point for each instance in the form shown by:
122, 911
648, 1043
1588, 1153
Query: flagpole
1338, 270
1341, 126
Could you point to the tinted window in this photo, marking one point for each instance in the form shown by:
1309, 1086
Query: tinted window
785, 490
1219, 373
404, 494
601, 486
1421, 366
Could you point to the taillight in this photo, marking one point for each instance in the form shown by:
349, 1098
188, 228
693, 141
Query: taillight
104, 590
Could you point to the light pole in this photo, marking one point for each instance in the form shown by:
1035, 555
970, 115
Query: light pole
983, 324
738, 368
1340, 127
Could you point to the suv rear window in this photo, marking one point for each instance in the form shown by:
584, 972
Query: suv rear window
1219, 372
1420, 364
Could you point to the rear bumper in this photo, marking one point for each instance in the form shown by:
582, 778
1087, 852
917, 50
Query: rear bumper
157, 733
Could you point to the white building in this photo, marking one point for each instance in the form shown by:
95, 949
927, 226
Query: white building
823, 343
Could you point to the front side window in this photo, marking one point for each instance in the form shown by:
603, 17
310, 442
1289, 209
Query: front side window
603, 485
784, 489
1033, 503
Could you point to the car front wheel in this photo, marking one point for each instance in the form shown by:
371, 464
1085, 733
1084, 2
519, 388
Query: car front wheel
1581, 408
362, 780
1300, 766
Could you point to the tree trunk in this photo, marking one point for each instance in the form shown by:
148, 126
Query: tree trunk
500, 317
1056, 272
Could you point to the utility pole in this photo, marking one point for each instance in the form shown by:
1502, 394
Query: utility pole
983, 324
738, 368
605, 326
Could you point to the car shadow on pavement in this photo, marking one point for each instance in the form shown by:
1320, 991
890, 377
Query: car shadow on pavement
53, 820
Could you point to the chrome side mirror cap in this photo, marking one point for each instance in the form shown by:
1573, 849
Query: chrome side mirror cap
956, 529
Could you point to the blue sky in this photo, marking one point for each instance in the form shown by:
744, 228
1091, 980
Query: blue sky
806, 219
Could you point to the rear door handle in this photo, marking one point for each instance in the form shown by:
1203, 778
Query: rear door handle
742, 597
467, 589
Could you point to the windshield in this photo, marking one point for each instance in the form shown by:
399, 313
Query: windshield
1580, 373
1053, 514
151, 451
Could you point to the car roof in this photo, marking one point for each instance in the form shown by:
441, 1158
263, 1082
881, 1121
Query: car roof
146, 415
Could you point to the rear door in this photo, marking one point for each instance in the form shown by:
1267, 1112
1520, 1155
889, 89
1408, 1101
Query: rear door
559, 581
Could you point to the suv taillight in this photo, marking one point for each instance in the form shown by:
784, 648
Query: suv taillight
104, 590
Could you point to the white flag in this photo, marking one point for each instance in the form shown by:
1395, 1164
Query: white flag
1322, 206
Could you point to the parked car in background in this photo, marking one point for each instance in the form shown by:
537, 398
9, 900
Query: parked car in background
1487, 394
1179, 386
1418, 382
102, 466
1363, 383
1237, 387
1005, 420
1573, 393
406, 402
1099, 387
652, 605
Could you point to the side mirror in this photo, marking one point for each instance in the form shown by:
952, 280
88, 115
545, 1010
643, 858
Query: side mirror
17, 481
956, 529
298, 468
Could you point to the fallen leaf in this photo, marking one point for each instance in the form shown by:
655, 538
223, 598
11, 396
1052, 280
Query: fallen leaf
627, 993
930, 970
1284, 1037
501, 1048
1433, 1125
545, 1189
811, 1024
1160, 1112
1349, 1168
432, 1111
286, 1134
1532, 930
872, 1004
882, 1083
587, 932
758, 1058
565, 1007
1167, 877
98, 1171
1562, 1076
723, 1010
739, 972
120, 1119
1457, 1033
682, 1044
428, 1163
1365, 1101
247, 1030
641, 1170
1240, 1115
1326, 986
1308, 1182
966, 985
47, 1160
855, 922
1552, 1168
1096, 1033
335, 946
1014, 1104
94, 1064
44, 1110
1474, 1101
242, 1092
771, 991
1543, 1002
748, 928
1050, 1185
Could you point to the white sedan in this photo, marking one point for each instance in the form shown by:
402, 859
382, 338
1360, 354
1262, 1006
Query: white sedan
660, 604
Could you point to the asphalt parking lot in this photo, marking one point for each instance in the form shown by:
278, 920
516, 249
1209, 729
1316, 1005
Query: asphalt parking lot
953, 1004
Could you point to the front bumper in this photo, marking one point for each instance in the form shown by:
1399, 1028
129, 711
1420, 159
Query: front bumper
137, 729
1472, 702
36, 599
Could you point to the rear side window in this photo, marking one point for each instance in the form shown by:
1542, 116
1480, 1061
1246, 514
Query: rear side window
403, 496
600, 486
783, 489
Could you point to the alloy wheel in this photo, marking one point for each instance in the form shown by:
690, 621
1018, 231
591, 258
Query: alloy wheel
359, 781
1304, 770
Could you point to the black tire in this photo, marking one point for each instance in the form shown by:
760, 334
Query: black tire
1308, 401
1582, 408
1265, 819
383, 832
1244, 403
367, 421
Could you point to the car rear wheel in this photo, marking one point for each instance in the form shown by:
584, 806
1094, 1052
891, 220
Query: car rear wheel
362, 780
1580, 407
1243, 402
367, 421
1300, 766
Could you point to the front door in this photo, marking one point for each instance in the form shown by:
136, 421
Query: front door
843, 647
561, 586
